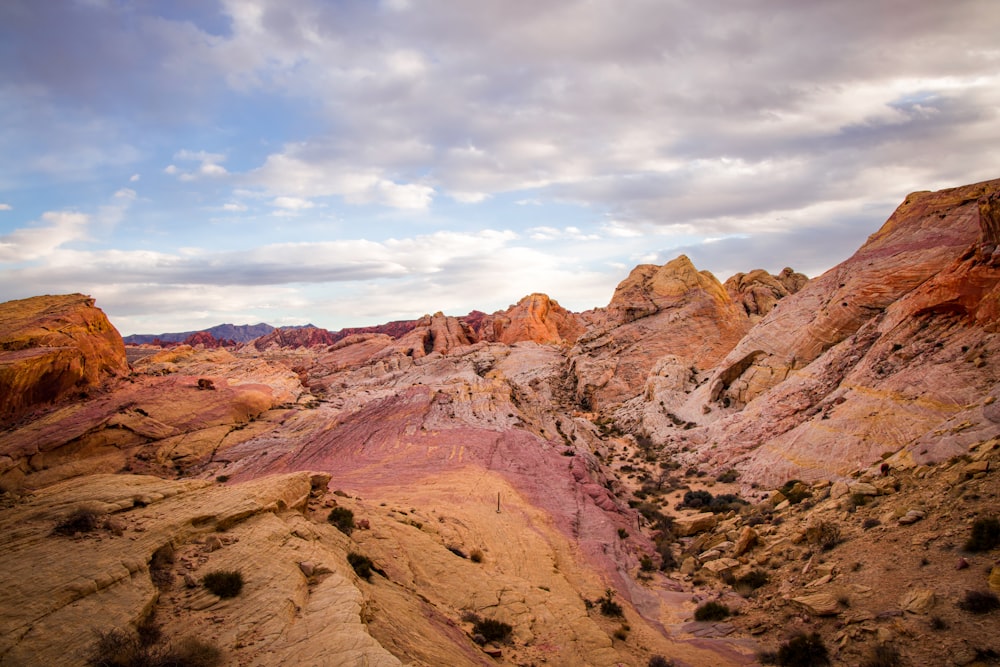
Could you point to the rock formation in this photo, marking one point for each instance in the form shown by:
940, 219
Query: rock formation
533, 466
759, 291
658, 310
54, 346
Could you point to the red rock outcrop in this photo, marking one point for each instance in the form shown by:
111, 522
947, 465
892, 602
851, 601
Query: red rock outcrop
52, 347
293, 337
436, 333
535, 318
759, 291
658, 310
894, 350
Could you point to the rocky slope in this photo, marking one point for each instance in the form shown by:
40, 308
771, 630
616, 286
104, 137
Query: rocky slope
526, 466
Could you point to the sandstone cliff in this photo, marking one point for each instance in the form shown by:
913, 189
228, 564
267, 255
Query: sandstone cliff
894, 348
758, 292
54, 346
658, 310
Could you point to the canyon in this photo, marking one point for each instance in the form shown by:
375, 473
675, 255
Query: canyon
531, 466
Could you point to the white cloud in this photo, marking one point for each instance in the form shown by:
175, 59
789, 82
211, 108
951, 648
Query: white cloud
134, 178
32, 243
208, 165
293, 203
234, 207
6, 207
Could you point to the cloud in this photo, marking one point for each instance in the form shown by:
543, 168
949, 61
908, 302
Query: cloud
292, 203
6, 207
31, 243
208, 165
307, 171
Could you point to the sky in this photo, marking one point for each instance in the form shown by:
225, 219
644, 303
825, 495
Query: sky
348, 163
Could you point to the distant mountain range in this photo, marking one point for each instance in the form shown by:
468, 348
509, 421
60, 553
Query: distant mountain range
241, 333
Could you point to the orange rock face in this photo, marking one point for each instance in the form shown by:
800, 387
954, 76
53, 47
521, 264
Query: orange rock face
53, 346
893, 351
535, 318
759, 291
658, 310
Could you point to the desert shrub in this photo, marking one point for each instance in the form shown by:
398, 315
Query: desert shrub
884, 656
646, 564
825, 534
870, 522
118, 648
728, 476
803, 650
859, 499
938, 623
224, 583
979, 602
80, 520
362, 564
725, 502
622, 533
795, 491
621, 634
985, 534
667, 560
608, 606
160, 564
749, 582
492, 630
712, 611
696, 499
659, 661
342, 518
222, 479
476, 556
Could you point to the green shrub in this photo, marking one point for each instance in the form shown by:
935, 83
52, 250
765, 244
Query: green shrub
492, 630
608, 606
646, 564
362, 564
803, 650
659, 661
622, 533
711, 611
224, 583
985, 534
80, 520
342, 518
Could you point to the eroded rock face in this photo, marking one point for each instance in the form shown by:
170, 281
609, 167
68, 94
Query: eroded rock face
759, 291
52, 347
671, 309
895, 349
535, 318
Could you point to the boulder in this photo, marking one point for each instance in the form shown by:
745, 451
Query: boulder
747, 539
692, 524
918, 600
818, 604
